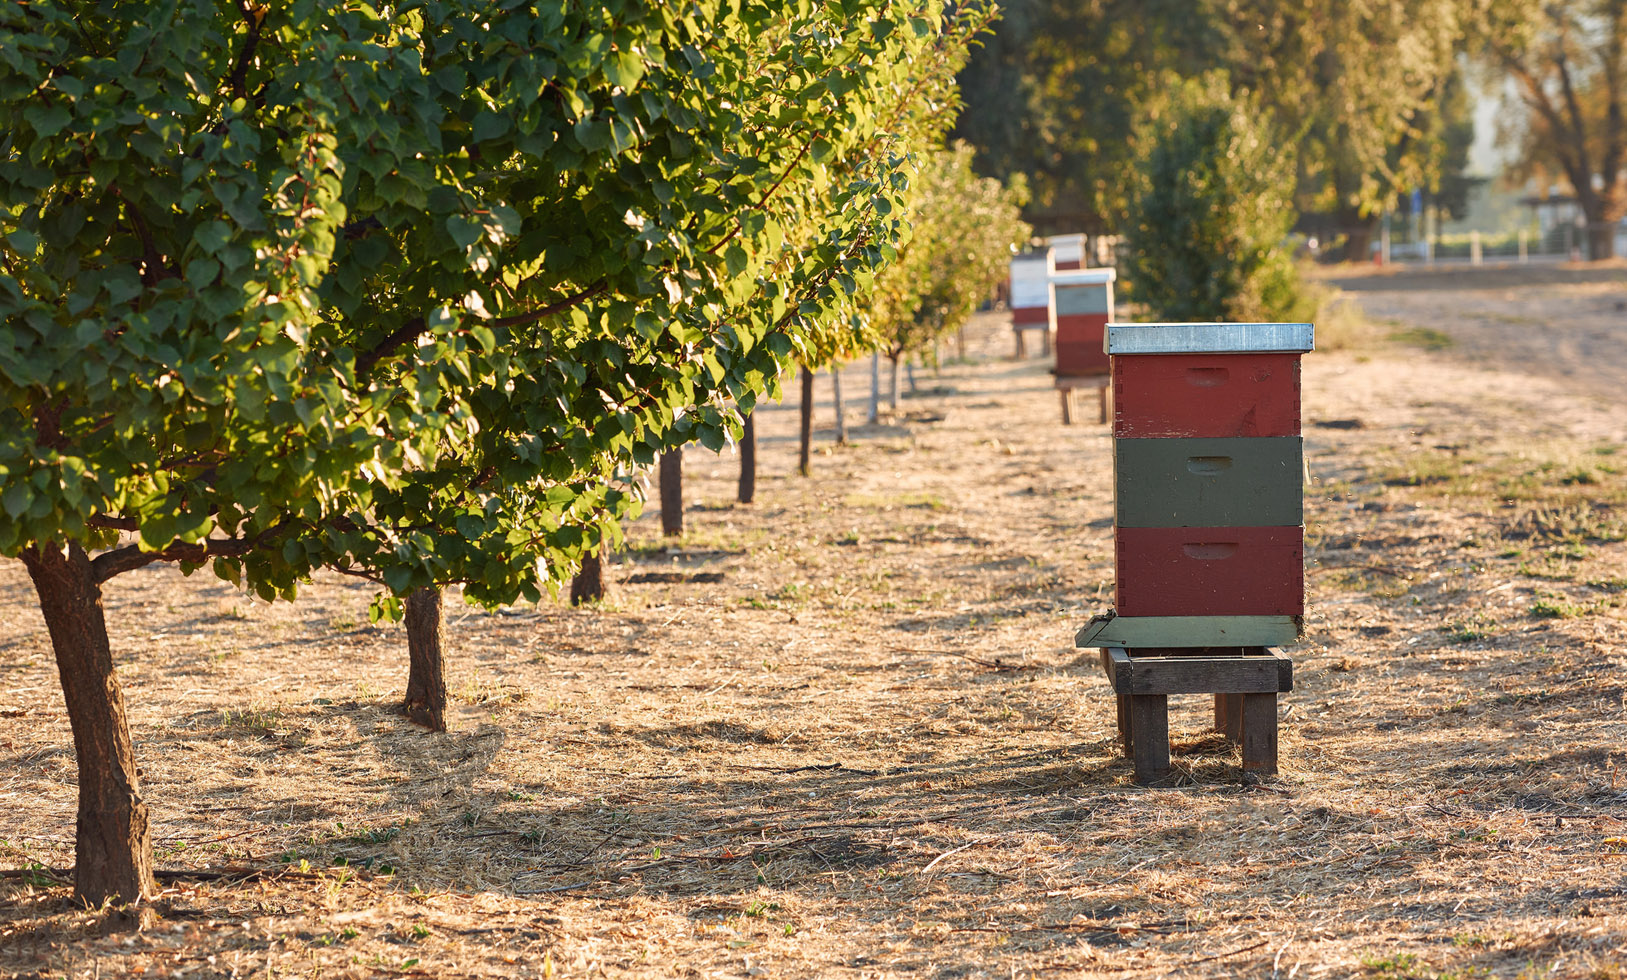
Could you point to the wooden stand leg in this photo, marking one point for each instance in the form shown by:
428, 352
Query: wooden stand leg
1125, 736
1045, 343
1260, 733
1022, 350
1229, 716
1102, 395
1149, 734
1067, 405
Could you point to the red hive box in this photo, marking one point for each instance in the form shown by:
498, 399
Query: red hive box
1081, 306
1208, 466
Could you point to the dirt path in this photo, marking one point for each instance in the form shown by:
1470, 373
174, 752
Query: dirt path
844, 731
1563, 322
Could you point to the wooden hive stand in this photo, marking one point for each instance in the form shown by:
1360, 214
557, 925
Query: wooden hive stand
1208, 530
1245, 682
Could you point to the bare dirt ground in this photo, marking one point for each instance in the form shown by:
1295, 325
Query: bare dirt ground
843, 732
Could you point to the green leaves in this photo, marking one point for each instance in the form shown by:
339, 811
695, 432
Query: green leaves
1209, 212
419, 294
963, 230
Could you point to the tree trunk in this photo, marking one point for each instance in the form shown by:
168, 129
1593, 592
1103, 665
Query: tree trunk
113, 852
909, 372
1601, 238
836, 396
748, 461
587, 585
672, 493
426, 673
1358, 234
875, 388
892, 387
807, 422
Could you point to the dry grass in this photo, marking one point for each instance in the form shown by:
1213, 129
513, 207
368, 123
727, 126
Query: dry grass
864, 745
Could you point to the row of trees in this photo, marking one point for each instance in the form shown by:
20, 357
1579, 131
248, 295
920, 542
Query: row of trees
411, 292
1365, 99
963, 230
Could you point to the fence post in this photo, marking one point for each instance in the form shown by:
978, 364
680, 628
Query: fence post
1474, 248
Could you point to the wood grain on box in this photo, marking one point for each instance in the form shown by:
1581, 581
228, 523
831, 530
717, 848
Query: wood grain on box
1165, 634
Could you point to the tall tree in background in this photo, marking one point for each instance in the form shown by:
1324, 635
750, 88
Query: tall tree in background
1055, 92
1209, 211
1569, 60
1058, 92
1352, 85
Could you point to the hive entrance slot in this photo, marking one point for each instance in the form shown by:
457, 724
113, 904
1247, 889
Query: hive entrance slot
1207, 377
1208, 465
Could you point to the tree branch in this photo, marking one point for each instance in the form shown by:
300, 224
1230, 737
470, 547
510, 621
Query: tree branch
1578, 128
48, 423
153, 268
414, 328
1537, 99
131, 557
525, 319
255, 16
114, 522
400, 335
1613, 125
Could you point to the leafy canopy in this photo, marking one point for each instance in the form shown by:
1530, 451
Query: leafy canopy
1209, 212
964, 230
409, 290
1060, 91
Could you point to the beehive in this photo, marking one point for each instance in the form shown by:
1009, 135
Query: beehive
1081, 305
1208, 463
1209, 533
1031, 289
1068, 251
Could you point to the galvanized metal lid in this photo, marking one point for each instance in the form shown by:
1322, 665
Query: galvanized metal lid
1083, 277
1208, 338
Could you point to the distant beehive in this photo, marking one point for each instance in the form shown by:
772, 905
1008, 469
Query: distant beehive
1081, 306
1031, 289
1068, 251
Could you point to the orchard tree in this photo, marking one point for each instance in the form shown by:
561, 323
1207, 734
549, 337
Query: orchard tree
1209, 211
408, 291
965, 229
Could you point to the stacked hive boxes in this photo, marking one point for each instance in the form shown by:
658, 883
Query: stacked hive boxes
1031, 295
1209, 529
1208, 466
1081, 305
